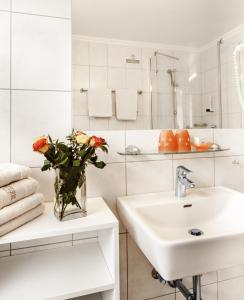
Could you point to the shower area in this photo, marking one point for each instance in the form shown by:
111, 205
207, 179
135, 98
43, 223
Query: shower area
171, 99
198, 91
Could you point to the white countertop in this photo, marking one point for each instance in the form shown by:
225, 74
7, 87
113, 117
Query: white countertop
99, 217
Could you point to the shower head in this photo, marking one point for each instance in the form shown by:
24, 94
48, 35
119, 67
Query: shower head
172, 73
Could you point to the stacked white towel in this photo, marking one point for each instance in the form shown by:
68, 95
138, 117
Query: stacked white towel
19, 200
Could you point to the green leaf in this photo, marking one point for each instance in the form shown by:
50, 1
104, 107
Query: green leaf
100, 164
76, 163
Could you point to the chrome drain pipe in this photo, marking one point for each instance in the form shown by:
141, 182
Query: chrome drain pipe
196, 281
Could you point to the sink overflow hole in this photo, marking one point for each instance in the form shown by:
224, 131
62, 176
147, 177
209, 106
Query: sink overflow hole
187, 205
196, 232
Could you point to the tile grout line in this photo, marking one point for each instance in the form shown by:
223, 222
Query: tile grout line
10, 81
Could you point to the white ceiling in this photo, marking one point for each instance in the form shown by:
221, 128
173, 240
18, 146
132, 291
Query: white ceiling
175, 22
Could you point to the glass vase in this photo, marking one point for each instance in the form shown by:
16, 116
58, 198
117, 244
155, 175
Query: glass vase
71, 204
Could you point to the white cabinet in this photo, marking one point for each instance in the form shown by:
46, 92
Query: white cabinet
86, 263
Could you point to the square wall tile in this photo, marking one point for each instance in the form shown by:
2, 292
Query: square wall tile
202, 170
116, 56
134, 79
209, 292
231, 289
98, 77
79, 103
232, 272
98, 54
116, 143
230, 138
116, 78
229, 172
54, 8
99, 183
81, 123
35, 114
149, 177
42, 52
5, 49
99, 123
5, 125
80, 77
80, 52
46, 181
4, 4
141, 285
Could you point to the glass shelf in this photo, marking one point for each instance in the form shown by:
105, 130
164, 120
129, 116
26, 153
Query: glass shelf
168, 153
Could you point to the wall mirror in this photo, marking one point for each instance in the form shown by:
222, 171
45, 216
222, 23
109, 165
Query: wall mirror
148, 65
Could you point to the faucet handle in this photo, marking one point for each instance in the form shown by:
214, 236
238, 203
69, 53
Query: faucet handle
181, 170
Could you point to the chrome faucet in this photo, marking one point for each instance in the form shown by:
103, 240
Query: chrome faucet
182, 182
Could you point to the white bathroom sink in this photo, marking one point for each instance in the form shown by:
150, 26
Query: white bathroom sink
160, 224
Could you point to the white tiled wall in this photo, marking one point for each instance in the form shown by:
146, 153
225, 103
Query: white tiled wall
35, 78
99, 65
230, 103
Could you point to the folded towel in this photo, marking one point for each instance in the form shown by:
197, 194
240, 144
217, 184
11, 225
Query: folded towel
100, 103
21, 220
17, 190
20, 207
126, 105
12, 172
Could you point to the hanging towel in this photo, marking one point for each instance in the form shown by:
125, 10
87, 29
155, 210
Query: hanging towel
17, 190
12, 172
100, 103
20, 207
126, 105
21, 220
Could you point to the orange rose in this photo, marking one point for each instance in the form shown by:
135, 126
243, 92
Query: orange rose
97, 141
41, 145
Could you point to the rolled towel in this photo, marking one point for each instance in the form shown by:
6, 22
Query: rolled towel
17, 190
21, 220
20, 207
12, 172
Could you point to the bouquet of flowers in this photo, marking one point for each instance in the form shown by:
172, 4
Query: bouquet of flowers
69, 160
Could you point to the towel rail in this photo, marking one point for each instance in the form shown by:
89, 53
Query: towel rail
113, 91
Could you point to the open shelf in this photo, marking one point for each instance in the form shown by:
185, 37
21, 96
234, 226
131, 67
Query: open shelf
168, 153
82, 267
55, 274
46, 226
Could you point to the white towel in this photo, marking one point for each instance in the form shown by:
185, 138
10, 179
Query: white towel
100, 103
20, 207
12, 172
126, 105
21, 220
17, 190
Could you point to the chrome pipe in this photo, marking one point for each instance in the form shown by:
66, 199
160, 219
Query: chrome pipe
166, 55
219, 43
197, 287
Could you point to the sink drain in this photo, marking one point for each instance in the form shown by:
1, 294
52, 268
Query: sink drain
195, 232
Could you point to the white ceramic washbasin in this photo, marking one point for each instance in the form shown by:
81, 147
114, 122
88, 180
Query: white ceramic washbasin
160, 223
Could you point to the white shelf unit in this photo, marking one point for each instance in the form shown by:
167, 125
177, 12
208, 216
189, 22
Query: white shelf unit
87, 263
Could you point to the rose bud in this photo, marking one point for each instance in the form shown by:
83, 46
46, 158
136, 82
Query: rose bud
97, 141
82, 138
41, 145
